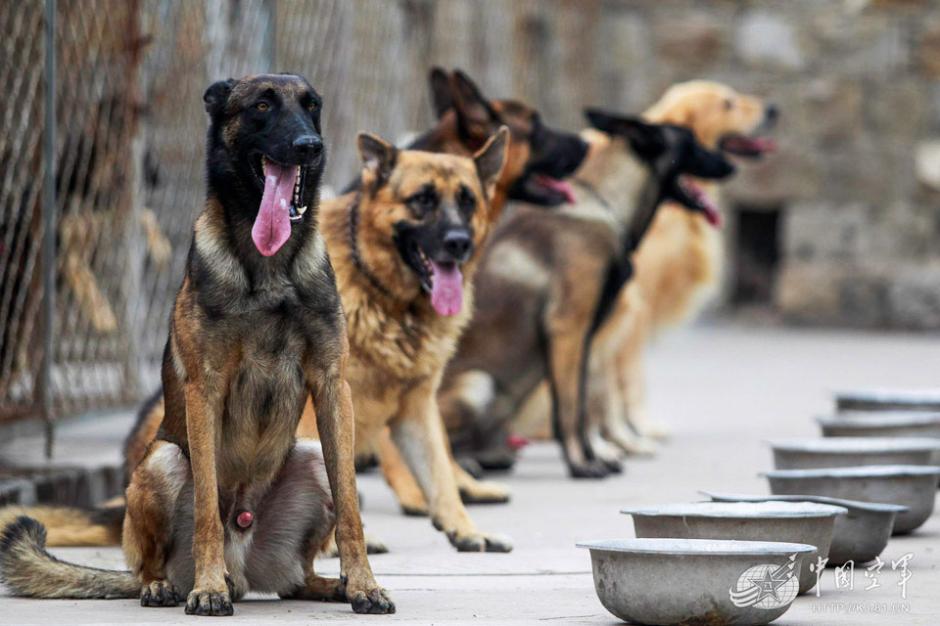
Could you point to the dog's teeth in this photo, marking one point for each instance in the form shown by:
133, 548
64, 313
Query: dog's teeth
302, 210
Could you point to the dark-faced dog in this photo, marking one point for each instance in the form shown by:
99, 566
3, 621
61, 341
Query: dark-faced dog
548, 280
226, 499
540, 157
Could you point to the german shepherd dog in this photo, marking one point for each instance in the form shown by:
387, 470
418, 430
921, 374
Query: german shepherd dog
539, 159
549, 280
226, 500
405, 248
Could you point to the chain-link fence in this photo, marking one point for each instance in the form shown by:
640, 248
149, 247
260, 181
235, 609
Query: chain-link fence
127, 162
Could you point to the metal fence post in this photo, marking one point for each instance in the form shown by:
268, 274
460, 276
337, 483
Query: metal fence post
48, 230
272, 36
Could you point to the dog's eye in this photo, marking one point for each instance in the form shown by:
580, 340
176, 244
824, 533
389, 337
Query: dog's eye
263, 106
313, 106
466, 200
424, 201
729, 104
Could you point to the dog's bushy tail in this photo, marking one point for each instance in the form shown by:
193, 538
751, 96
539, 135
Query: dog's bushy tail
28, 570
72, 526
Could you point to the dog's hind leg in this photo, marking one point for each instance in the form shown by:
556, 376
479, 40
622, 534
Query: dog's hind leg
616, 428
419, 433
473, 491
148, 524
471, 395
632, 376
566, 377
637, 412
399, 478
295, 520
601, 383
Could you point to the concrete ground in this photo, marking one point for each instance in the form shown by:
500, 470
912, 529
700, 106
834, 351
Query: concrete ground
722, 389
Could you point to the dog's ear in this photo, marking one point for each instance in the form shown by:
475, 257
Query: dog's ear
491, 158
475, 115
647, 140
442, 99
378, 159
217, 95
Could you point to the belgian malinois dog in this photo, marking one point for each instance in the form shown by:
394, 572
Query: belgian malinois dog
226, 500
549, 279
538, 158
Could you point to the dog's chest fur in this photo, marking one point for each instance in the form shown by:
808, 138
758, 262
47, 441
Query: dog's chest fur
393, 345
269, 314
405, 346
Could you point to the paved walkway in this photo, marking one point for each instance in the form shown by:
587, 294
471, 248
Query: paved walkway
722, 389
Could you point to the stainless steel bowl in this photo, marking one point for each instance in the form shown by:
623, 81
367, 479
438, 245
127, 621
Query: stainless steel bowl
913, 486
682, 581
852, 451
889, 424
888, 400
859, 536
792, 522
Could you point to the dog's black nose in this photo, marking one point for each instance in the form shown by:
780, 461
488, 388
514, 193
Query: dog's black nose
308, 145
457, 244
772, 112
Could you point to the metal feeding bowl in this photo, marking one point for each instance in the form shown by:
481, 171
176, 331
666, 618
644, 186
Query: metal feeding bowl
792, 522
888, 424
913, 486
859, 536
852, 451
696, 581
888, 400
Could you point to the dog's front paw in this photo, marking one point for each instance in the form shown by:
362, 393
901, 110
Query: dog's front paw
655, 430
159, 593
588, 469
496, 459
643, 446
375, 545
484, 493
413, 504
614, 466
412, 510
609, 455
479, 542
368, 598
209, 602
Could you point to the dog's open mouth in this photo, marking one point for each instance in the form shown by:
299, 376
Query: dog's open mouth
749, 147
442, 280
554, 186
542, 190
280, 205
689, 193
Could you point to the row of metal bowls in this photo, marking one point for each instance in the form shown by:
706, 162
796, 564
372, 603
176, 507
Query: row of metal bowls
834, 500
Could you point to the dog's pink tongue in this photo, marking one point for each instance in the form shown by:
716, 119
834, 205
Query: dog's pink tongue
272, 226
559, 186
446, 289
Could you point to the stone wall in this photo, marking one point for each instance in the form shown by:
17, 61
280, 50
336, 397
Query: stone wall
856, 181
